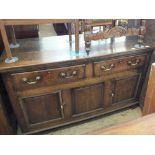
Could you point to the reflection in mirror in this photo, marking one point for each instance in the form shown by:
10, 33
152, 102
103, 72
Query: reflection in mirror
104, 29
39, 31
93, 29
57, 29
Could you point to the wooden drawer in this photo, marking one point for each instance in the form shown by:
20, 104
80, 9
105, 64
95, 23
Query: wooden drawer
29, 80
116, 65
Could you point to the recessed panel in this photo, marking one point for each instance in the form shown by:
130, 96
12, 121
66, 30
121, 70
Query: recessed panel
41, 108
87, 99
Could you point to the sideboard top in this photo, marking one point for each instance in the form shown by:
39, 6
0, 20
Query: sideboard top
56, 50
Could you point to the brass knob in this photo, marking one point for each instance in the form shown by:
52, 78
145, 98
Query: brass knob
134, 63
62, 74
24, 79
74, 73
112, 94
38, 78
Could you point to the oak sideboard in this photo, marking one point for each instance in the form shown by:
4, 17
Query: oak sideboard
51, 85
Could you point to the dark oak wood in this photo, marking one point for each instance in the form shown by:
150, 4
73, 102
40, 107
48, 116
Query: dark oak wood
125, 88
42, 108
48, 77
86, 89
141, 126
32, 55
117, 65
87, 99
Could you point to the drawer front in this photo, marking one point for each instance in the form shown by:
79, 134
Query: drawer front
29, 80
116, 65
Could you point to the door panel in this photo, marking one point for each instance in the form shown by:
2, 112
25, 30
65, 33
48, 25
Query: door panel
125, 88
87, 99
42, 108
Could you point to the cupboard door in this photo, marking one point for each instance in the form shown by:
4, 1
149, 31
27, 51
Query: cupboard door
149, 102
87, 99
48, 77
125, 88
42, 108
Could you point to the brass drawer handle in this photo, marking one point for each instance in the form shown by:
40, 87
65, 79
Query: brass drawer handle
107, 68
62, 110
112, 95
64, 75
131, 63
32, 82
62, 104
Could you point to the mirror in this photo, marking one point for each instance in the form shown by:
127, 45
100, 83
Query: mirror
104, 29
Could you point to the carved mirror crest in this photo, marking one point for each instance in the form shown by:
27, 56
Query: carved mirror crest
108, 28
